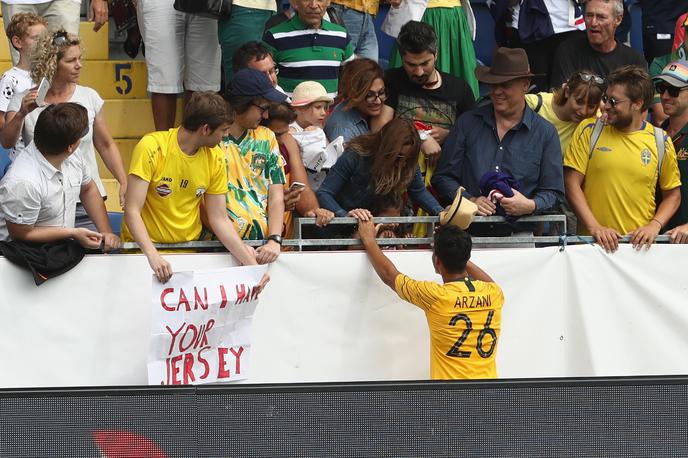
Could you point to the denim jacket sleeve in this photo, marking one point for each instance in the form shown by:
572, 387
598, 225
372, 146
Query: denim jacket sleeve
338, 177
421, 196
550, 188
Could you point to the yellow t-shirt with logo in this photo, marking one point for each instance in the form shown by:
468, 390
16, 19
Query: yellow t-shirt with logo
621, 175
177, 184
464, 318
253, 164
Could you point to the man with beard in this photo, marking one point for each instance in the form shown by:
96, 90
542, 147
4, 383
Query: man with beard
419, 92
672, 87
612, 168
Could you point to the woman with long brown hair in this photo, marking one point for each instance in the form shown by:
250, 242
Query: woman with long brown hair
385, 162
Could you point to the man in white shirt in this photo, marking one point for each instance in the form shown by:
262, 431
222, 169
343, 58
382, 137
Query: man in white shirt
38, 194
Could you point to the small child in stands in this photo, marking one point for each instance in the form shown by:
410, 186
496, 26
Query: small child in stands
22, 32
311, 103
301, 199
387, 205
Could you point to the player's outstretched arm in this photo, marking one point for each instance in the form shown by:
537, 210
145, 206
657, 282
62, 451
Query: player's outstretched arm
476, 273
383, 266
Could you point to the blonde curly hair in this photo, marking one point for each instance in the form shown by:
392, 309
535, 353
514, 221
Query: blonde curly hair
48, 51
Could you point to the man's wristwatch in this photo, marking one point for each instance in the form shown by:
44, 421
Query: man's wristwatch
275, 238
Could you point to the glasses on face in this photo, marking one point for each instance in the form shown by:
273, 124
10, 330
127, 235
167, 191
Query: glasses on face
612, 101
587, 77
274, 71
371, 97
262, 108
672, 90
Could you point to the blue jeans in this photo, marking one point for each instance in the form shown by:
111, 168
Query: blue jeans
361, 30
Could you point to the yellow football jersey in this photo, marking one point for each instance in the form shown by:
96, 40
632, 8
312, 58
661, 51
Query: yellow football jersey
253, 164
621, 174
177, 184
464, 318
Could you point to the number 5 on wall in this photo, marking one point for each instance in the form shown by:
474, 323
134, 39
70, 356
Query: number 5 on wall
121, 76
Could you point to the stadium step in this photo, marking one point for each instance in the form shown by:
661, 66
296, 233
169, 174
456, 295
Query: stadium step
125, 146
132, 118
112, 79
112, 203
95, 44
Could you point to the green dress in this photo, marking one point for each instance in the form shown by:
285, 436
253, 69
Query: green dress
455, 53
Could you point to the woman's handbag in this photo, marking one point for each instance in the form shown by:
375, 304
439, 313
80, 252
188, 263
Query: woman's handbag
214, 9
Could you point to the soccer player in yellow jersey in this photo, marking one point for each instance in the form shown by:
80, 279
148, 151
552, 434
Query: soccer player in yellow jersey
464, 313
171, 174
610, 183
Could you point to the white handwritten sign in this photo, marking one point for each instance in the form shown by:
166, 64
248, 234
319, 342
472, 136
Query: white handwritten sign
201, 326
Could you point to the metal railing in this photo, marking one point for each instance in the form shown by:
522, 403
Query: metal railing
299, 243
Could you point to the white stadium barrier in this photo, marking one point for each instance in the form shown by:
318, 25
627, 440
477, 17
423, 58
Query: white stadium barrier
325, 316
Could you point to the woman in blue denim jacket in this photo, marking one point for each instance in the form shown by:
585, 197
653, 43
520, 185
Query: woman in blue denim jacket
380, 163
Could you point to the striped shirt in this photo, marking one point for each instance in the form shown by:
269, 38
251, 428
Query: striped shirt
305, 54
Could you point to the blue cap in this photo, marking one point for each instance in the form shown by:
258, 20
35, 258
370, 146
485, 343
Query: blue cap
250, 82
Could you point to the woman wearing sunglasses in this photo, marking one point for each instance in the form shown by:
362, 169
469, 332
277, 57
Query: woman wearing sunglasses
578, 99
361, 97
57, 59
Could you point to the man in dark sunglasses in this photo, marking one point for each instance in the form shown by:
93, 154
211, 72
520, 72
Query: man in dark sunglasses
672, 87
613, 166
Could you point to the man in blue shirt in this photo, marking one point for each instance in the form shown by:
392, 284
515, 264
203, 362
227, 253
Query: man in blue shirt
505, 136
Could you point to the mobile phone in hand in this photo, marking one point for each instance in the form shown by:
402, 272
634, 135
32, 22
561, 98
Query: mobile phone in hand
296, 185
42, 91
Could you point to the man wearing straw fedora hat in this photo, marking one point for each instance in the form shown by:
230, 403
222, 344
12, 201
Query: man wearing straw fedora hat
505, 136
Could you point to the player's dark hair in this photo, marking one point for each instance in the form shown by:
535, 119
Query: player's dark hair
206, 108
636, 82
416, 37
248, 52
59, 126
452, 247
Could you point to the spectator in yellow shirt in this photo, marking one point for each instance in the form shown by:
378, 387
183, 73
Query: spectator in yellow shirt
173, 173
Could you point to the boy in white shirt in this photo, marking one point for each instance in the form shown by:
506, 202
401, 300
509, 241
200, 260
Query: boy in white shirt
22, 32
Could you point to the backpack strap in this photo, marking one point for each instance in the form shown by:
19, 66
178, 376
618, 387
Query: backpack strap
596, 132
539, 104
661, 149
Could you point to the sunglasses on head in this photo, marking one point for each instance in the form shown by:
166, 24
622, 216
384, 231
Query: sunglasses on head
672, 90
60, 38
612, 101
587, 77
